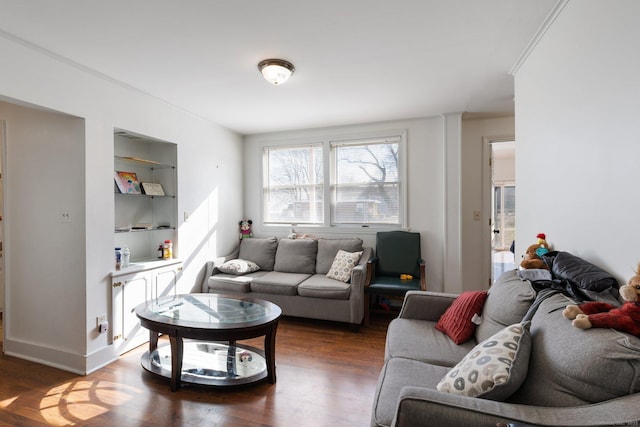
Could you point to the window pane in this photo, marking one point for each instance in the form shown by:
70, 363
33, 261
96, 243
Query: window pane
366, 188
293, 188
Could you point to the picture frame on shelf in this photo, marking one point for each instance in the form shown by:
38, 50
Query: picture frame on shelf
152, 189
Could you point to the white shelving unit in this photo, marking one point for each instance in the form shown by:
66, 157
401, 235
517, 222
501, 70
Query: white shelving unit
148, 277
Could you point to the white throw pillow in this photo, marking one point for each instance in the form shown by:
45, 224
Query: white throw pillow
493, 369
342, 265
238, 267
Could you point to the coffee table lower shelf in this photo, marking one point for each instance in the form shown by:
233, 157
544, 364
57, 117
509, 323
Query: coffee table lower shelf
210, 363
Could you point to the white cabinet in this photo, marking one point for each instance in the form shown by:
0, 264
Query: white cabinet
135, 285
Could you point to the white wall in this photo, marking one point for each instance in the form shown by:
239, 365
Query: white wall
476, 249
577, 127
68, 289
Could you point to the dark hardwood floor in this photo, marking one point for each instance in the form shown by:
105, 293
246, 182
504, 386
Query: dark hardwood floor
326, 376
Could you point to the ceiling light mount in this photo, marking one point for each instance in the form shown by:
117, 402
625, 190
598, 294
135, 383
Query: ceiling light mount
276, 71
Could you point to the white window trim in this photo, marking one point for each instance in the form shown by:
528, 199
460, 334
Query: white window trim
328, 163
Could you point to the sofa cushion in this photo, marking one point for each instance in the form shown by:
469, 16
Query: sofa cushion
320, 286
238, 267
419, 340
508, 301
232, 283
396, 374
458, 322
343, 265
328, 248
495, 368
296, 256
275, 282
571, 366
260, 251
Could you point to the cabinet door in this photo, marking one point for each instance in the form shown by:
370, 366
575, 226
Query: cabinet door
128, 291
164, 281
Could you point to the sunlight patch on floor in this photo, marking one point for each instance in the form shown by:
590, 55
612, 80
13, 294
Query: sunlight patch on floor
76, 402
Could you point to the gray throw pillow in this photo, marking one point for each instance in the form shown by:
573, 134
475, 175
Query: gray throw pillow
493, 369
260, 251
296, 256
328, 249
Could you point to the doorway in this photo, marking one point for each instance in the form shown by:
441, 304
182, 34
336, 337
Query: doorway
503, 206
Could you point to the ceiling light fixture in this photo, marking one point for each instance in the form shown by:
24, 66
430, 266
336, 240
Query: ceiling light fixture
276, 71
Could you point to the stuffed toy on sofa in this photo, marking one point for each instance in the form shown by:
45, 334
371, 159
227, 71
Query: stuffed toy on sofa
625, 318
245, 229
533, 256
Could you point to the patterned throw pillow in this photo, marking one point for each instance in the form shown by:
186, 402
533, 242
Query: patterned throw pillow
495, 368
238, 267
342, 265
458, 321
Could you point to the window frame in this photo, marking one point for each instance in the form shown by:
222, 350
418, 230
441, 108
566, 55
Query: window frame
329, 164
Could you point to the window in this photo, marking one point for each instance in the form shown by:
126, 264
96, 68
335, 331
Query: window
366, 184
293, 185
337, 182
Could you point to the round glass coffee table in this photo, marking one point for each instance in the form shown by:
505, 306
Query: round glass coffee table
203, 330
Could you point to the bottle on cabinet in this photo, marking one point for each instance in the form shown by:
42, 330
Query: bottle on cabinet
126, 256
118, 258
167, 250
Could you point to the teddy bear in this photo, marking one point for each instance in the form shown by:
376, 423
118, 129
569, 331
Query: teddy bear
532, 257
245, 229
625, 318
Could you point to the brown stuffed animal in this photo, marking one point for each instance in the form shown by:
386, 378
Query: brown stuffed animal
625, 318
532, 258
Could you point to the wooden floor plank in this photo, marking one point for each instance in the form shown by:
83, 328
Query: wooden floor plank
326, 376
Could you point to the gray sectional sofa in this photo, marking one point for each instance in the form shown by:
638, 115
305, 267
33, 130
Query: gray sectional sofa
292, 273
557, 375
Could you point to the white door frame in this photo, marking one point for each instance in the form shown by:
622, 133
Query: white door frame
486, 202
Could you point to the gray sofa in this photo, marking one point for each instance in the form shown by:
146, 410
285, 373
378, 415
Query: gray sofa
293, 274
559, 375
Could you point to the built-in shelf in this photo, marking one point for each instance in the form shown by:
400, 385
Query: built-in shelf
153, 161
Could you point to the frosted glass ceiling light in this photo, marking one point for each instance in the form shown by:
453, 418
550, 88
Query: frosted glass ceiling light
276, 71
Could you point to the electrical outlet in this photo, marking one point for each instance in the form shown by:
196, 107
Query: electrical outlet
65, 216
100, 319
476, 215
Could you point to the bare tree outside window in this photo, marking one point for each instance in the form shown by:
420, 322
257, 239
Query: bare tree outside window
366, 189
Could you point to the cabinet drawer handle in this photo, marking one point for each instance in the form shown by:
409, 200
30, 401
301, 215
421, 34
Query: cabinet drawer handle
117, 284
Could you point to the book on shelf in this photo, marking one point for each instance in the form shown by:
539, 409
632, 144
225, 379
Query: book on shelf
127, 182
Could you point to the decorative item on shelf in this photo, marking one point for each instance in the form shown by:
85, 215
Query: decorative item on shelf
123, 228
152, 189
127, 182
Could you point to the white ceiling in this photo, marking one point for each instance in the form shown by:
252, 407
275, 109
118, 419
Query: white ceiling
356, 60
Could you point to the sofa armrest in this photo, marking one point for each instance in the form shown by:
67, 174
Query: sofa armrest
449, 409
425, 305
359, 272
